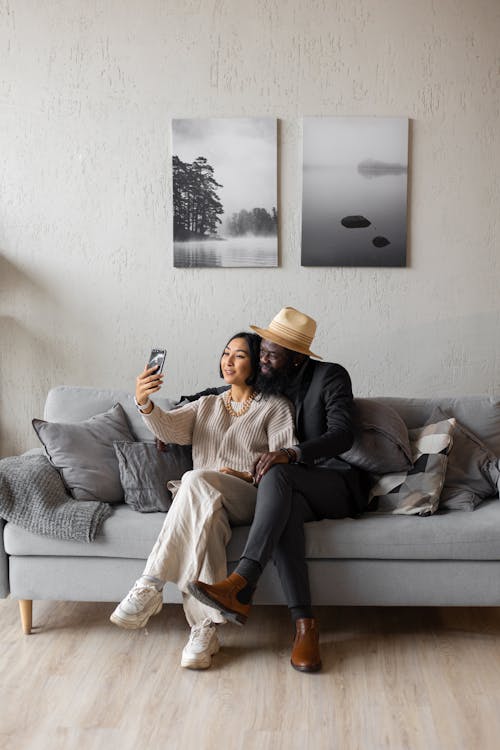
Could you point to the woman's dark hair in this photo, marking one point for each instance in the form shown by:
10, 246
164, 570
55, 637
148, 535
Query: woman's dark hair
253, 343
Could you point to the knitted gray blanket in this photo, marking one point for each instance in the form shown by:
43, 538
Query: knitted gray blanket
33, 496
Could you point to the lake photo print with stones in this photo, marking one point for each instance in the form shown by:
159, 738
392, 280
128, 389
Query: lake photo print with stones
354, 195
225, 192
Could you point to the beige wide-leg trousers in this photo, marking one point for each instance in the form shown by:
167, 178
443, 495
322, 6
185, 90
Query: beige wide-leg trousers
192, 542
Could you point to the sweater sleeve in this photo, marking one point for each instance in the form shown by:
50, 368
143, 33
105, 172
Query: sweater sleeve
174, 426
280, 426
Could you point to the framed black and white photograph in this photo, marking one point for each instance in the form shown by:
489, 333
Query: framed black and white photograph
225, 192
354, 198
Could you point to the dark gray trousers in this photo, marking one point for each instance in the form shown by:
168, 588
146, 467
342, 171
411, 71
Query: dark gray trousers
287, 497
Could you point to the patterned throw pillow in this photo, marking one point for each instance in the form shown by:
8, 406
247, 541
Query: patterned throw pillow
417, 491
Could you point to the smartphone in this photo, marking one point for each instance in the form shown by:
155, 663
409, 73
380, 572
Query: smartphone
157, 358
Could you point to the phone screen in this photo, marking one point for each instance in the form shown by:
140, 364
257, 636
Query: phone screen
157, 359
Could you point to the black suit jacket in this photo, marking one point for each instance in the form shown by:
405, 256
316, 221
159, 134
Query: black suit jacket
326, 423
323, 414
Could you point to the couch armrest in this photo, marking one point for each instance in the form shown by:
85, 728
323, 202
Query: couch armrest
4, 558
4, 565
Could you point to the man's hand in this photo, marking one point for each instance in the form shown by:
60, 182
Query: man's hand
266, 460
245, 475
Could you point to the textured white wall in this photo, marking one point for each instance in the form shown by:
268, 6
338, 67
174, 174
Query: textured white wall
87, 90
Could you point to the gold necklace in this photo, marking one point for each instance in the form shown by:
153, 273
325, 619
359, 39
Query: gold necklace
245, 404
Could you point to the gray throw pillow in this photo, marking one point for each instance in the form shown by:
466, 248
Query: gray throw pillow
417, 491
472, 473
83, 453
381, 444
455, 499
145, 471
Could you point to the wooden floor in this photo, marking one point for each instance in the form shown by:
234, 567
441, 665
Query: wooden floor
393, 678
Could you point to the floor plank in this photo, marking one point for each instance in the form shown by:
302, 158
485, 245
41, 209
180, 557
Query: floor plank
393, 678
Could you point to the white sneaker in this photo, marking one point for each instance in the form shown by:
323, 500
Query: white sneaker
202, 645
142, 602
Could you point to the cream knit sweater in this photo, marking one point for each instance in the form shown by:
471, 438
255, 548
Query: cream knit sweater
218, 439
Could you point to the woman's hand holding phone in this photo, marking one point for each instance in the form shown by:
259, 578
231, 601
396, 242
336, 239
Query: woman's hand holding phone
147, 383
150, 380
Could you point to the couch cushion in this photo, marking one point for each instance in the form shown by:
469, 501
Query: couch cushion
125, 534
480, 414
450, 535
69, 403
447, 535
83, 453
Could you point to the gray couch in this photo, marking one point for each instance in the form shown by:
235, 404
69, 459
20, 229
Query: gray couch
451, 558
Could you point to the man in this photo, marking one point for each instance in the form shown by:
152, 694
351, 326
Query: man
305, 482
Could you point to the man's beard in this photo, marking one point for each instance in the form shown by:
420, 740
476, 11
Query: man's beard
278, 381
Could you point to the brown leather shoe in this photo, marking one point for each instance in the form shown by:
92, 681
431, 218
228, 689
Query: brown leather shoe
223, 596
305, 652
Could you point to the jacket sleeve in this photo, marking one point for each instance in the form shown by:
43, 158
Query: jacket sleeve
336, 400
281, 426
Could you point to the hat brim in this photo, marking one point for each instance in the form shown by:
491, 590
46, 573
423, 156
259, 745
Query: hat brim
276, 339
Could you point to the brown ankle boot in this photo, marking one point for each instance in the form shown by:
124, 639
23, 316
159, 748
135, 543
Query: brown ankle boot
223, 597
305, 652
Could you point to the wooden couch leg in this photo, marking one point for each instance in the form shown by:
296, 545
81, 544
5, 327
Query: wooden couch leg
26, 611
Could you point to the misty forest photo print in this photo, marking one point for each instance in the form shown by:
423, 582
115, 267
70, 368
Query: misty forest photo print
225, 192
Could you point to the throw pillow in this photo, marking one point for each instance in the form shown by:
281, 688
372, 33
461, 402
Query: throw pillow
381, 444
145, 471
417, 491
472, 473
83, 453
454, 499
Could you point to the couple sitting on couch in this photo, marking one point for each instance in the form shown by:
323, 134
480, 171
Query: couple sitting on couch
253, 463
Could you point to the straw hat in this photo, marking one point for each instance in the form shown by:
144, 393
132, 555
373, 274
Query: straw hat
292, 329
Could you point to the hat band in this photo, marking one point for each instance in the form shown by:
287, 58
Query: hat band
290, 333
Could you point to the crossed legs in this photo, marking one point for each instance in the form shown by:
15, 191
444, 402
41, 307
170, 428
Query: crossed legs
288, 496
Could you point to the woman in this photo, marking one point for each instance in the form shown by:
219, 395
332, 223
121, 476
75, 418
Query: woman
227, 433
